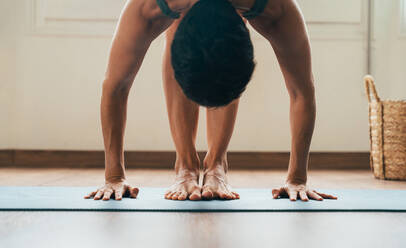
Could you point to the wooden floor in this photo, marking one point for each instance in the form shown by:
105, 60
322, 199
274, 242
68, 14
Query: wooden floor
343, 179
160, 229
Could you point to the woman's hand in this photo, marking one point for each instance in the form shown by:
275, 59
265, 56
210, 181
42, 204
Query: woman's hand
116, 189
292, 190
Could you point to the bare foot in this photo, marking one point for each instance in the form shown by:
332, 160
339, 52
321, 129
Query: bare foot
215, 185
186, 185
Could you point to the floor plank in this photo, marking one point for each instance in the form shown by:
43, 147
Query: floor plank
201, 230
356, 179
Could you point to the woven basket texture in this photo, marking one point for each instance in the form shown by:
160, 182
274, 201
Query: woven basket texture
387, 133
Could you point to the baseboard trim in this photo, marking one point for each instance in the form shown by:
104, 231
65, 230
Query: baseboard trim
166, 159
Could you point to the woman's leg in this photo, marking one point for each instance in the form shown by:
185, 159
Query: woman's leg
183, 119
220, 125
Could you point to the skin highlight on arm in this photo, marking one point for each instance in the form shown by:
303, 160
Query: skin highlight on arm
283, 25
139, 24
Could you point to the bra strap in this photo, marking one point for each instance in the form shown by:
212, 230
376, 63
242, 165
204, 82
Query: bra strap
256, 10
163, 5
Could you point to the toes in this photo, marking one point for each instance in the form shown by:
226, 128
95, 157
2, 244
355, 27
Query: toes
195, 195
182, 196
169, 195
225, 196
175, 195
207, 194
230, 196
222, 195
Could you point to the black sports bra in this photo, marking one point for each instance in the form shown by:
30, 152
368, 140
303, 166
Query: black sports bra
256, 9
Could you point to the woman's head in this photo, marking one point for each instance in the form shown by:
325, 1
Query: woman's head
212, 53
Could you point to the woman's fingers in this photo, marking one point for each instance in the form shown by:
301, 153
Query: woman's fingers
313, 195
133, 192
90, 195
292, 195
107, 195
113, 190
118, 194
275, 193
326, 196
303, 195
281, 192
99, 194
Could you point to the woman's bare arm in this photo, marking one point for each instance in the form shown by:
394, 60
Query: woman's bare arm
140, 23
283, 25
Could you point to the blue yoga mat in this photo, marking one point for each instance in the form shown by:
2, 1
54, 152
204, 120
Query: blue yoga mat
152, 199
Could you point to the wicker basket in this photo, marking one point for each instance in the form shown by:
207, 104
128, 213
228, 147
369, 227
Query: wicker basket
387, 133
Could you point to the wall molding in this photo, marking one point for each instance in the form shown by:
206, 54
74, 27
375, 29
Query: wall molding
166, 159
44, 18
402, 17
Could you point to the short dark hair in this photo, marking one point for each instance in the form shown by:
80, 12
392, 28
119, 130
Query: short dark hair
212, 54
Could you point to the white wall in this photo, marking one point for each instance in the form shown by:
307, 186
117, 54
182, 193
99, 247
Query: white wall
389, 49
55, 67
7, 70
